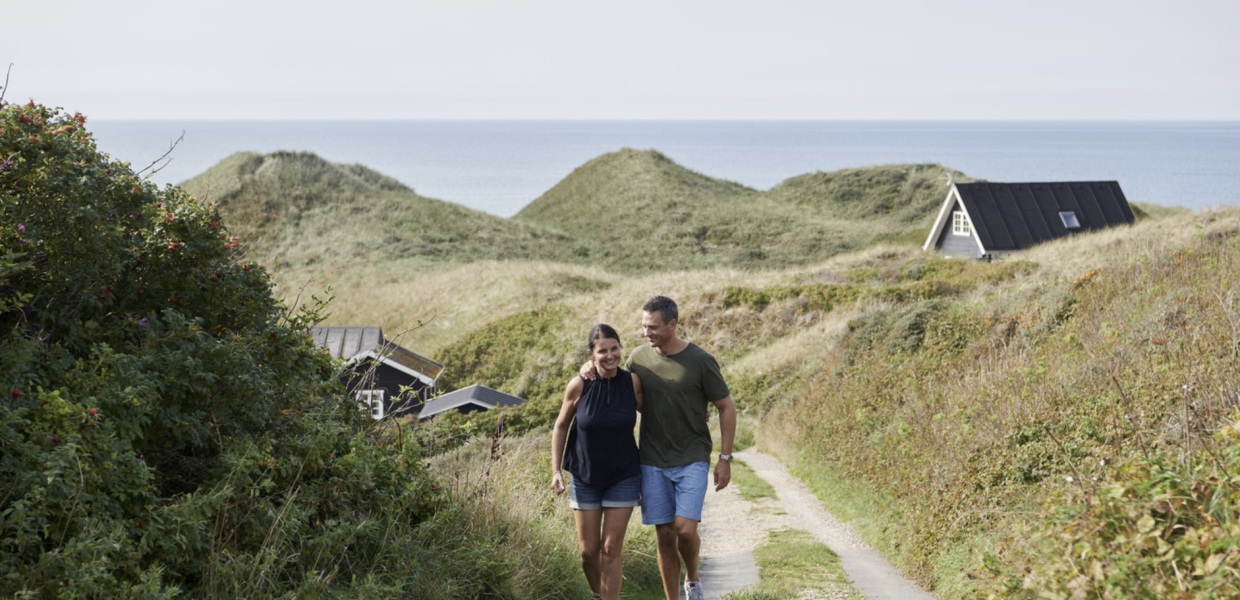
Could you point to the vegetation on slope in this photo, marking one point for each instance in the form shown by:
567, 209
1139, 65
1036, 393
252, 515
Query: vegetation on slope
639, 211
296, 208
938, 403
396, 259
953, 410
954, 419
169, 429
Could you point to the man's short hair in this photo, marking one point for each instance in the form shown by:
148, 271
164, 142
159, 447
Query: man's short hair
666, 307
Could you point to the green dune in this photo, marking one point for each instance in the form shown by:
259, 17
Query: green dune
299, 209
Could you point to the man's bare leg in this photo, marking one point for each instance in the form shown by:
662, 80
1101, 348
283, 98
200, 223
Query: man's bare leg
689, 545
669, 559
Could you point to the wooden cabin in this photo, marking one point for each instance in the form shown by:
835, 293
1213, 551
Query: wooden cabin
384, 378
471, 399
988, 220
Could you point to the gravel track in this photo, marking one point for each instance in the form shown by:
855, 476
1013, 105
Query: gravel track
732, 528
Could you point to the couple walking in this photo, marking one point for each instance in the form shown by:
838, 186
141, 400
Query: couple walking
672, 382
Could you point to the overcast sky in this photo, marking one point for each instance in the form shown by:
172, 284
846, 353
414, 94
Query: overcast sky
631, 59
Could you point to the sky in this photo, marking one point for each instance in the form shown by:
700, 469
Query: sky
631, 59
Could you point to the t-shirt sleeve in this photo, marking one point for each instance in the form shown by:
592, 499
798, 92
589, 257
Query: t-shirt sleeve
712, 380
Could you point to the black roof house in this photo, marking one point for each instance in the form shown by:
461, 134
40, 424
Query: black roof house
991, 219
384, 378
473, 398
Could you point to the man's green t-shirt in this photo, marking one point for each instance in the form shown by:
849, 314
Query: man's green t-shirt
678, 391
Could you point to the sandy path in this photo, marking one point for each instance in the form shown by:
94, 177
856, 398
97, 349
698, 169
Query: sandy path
730, 526
731, 530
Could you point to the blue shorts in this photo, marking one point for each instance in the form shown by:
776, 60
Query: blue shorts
622, 494
673, 492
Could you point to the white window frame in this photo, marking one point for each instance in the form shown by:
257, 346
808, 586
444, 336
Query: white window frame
1069, 219
960, 223
372, 401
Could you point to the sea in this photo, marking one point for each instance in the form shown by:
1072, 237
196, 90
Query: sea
501, 166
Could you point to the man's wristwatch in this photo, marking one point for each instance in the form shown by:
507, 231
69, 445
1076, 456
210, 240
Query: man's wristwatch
726, 457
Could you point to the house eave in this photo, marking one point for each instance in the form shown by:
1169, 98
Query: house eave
953, 197
424, 378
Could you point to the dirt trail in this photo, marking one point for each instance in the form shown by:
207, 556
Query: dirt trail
731, 529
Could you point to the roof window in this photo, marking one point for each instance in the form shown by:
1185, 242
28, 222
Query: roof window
1069, 219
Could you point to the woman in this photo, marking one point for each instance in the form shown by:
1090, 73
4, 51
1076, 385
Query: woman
597, 419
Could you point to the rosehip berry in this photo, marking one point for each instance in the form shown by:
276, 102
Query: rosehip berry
137, 190
17, 393
141, 292
23, 119
215, 277
56, 440
141, 261
245, 267
172, 300
215, 224
93, 412
108, 289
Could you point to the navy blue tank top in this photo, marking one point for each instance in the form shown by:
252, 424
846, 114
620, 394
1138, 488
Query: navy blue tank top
601, 450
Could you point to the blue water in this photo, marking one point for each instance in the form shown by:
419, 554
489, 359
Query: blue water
500, 166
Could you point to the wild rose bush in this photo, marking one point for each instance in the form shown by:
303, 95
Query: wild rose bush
167, 426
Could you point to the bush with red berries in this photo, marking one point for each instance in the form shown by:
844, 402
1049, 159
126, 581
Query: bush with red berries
171, 427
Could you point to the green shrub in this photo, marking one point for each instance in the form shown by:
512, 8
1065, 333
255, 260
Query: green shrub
168, 427
1157, 527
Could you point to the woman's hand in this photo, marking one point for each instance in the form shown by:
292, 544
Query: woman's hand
557, 483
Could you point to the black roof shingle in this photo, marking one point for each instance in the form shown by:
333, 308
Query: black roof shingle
1013, 216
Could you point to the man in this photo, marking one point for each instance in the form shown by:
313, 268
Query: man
680, 381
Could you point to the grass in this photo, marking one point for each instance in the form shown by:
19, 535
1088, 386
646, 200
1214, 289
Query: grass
396, 259
752, 487
939, 437
704, 222
936, 423
297, 210
503, 488
793, 565
932, 403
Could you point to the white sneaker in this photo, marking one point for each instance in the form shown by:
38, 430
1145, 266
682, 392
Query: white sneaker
693, 591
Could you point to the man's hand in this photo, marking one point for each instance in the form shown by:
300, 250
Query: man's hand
588, 371
723, 474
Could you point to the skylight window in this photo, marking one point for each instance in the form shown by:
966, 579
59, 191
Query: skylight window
1069, 219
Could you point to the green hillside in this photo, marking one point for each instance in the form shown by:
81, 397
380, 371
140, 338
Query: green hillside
298, 209
969, 418
626, 211
1063, 423
395, 258
637, 210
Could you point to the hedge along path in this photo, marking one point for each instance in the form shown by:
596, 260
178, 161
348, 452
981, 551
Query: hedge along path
727, 531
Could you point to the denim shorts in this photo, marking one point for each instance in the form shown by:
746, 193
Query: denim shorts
673, 492
625, 493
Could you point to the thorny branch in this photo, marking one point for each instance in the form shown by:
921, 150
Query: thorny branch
165, 158
6, 83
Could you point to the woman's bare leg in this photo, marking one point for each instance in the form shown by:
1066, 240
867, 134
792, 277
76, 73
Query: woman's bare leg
588, 525
615, 525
